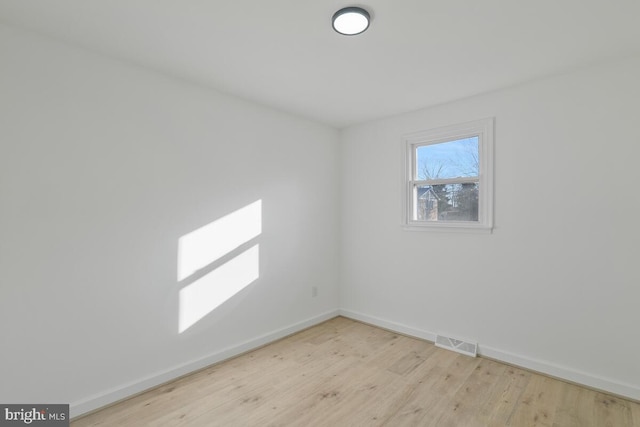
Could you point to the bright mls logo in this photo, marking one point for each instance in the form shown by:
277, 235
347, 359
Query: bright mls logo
36, 415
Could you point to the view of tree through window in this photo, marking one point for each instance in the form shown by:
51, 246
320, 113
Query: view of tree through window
447, 181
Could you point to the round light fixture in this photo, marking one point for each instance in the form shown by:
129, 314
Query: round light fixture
351, 21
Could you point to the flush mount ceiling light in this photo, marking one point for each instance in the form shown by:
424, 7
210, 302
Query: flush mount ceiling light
351, 21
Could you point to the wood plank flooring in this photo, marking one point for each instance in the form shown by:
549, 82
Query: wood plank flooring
345, 373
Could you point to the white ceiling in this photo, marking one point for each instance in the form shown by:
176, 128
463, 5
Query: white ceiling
284, 53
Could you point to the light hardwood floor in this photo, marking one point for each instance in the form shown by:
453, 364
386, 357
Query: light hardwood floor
345, 373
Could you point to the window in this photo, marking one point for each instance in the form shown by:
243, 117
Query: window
449, 178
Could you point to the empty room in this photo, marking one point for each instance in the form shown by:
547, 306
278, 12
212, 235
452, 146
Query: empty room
319, 213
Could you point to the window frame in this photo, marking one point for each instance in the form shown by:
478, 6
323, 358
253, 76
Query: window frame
483, 129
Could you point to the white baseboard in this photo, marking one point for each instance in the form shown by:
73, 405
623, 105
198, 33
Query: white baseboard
127, 390
564, 373
385, 324
561, 372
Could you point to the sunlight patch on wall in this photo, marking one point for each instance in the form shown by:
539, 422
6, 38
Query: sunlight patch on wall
227, 237
205, 245
205, 294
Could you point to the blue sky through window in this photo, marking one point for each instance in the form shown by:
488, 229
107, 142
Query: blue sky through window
452, 159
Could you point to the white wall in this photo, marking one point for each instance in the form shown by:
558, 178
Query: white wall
556, 286
103, 167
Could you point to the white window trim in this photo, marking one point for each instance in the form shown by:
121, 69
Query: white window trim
483, 129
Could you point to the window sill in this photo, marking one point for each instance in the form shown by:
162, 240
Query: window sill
449, 228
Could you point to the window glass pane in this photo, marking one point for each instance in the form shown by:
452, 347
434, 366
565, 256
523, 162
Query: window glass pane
453, 159
451, 202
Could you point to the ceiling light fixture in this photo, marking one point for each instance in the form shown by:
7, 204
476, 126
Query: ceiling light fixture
350, 21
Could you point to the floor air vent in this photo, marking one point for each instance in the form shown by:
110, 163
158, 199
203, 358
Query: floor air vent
464, 347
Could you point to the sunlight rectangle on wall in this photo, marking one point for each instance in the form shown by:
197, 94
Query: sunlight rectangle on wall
207, 293
205, 245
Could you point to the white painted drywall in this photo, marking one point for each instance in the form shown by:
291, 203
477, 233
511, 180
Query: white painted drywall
558, 280
103, 167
